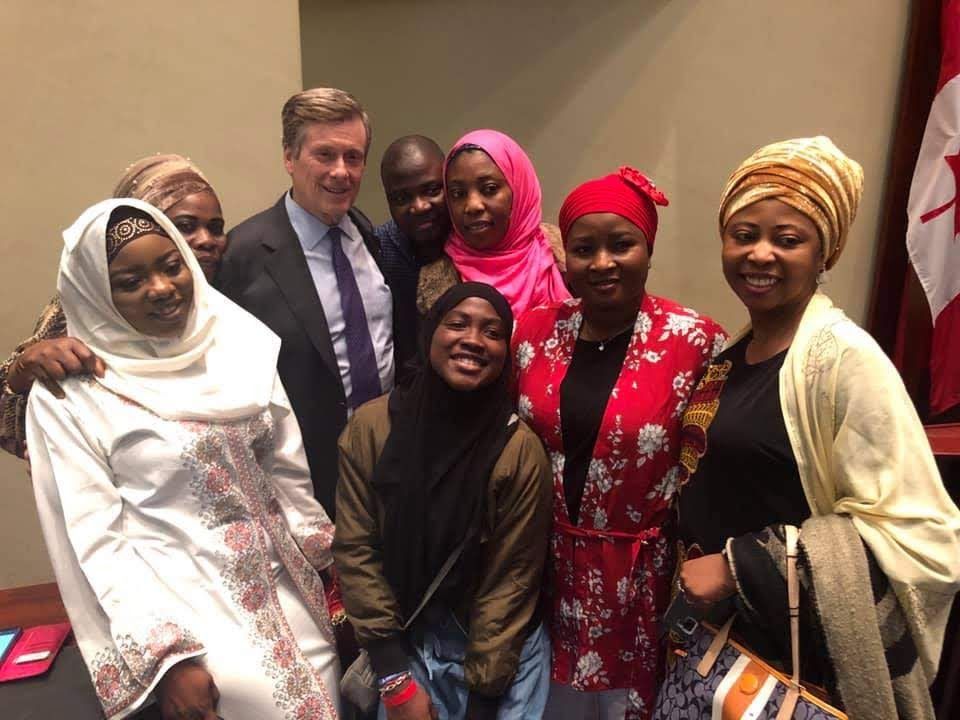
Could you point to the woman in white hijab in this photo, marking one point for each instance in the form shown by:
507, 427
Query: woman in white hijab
174, 493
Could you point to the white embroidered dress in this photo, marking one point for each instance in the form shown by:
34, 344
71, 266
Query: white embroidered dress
175, 539
175, 498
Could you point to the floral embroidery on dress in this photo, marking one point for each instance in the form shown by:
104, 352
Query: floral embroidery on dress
122, 673
316, 546
524, 355
643, 326
635, 515
822, 354
678, 325
590, 670
609, 574
719, 342
600, 519
114, 684
683, 383
651, 439
238, 503
524, 408
600, 476
651, 357
667, 487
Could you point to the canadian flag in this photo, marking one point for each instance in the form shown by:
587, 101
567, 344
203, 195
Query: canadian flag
933, 230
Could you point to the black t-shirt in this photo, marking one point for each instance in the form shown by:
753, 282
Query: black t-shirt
747, 479
584, 393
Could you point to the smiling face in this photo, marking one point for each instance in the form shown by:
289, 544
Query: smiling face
469, 346
479, 199
414, 189
327, 171
607, 261
771, 256
199, 219
151, 286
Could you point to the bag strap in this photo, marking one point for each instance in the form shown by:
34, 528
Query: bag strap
793, 599
712, 654
441, 576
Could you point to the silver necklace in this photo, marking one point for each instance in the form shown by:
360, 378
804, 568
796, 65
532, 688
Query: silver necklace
603, 343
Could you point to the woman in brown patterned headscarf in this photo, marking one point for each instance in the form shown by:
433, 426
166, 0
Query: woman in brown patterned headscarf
803, 422
811, 176
170, 183
176, 186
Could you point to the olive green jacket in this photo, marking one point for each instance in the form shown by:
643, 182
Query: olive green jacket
500, 601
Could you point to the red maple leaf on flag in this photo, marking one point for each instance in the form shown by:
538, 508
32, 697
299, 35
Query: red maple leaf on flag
953, 161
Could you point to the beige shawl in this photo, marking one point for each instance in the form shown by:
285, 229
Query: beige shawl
861, 451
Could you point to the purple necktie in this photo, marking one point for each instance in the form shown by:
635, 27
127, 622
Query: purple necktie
364, 375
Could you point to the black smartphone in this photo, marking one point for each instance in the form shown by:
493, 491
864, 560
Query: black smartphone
682, 617
8, 638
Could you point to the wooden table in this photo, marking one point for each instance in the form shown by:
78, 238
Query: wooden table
31, 605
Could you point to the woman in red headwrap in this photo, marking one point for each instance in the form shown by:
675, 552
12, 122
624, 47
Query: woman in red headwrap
603, 380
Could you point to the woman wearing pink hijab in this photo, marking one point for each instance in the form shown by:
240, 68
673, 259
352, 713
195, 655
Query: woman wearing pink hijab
493, 196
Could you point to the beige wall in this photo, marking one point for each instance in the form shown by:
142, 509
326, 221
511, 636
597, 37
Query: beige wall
682, 89
91, 86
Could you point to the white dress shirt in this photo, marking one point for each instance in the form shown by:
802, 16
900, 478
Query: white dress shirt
377, 301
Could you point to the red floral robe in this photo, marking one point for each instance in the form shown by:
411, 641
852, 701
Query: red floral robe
610, 573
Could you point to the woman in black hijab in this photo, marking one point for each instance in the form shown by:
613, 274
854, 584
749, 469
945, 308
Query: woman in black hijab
443, 466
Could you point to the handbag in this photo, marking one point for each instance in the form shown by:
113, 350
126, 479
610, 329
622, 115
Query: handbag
718, 678
359, 682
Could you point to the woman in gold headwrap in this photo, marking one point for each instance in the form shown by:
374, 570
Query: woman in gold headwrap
170, 183
803, 421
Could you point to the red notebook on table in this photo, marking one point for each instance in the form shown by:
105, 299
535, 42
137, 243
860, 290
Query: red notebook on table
34, 651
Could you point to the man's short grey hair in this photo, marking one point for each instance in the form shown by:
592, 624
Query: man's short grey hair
319, 105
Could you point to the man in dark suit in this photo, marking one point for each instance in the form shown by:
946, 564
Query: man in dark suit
308, 267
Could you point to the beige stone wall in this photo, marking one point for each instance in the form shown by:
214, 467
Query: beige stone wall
91, 86
682, 89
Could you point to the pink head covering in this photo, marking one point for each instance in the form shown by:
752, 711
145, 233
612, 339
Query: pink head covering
522, 267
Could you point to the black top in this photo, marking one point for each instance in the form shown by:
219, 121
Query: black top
747, 478
584, 393
745, 486
433, 472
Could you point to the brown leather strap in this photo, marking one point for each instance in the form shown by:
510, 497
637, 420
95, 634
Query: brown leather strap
793, 600
716, 647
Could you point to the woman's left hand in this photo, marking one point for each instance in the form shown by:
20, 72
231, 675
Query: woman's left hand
707, 579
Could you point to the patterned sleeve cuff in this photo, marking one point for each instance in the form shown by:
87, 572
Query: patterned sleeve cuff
731, 561
316, 546
13, 410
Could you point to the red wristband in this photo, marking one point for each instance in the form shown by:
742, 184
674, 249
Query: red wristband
401, 696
